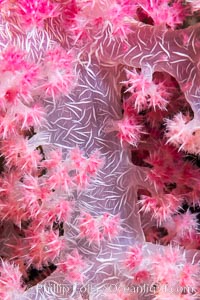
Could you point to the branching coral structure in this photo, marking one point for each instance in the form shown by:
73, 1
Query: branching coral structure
99, 149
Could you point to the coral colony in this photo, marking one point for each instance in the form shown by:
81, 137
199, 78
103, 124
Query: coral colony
99, 149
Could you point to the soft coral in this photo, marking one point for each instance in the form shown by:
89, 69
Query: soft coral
169, 13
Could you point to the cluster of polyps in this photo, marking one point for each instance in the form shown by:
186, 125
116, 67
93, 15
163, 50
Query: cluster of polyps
39, 188
97, 229
37, 185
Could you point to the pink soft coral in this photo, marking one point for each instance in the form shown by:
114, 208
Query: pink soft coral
184, 134
42, 188
10, 281
30, 13
57, 73
97, 229
170, 13
145, 93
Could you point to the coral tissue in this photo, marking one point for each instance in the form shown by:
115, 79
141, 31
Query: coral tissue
99, 149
